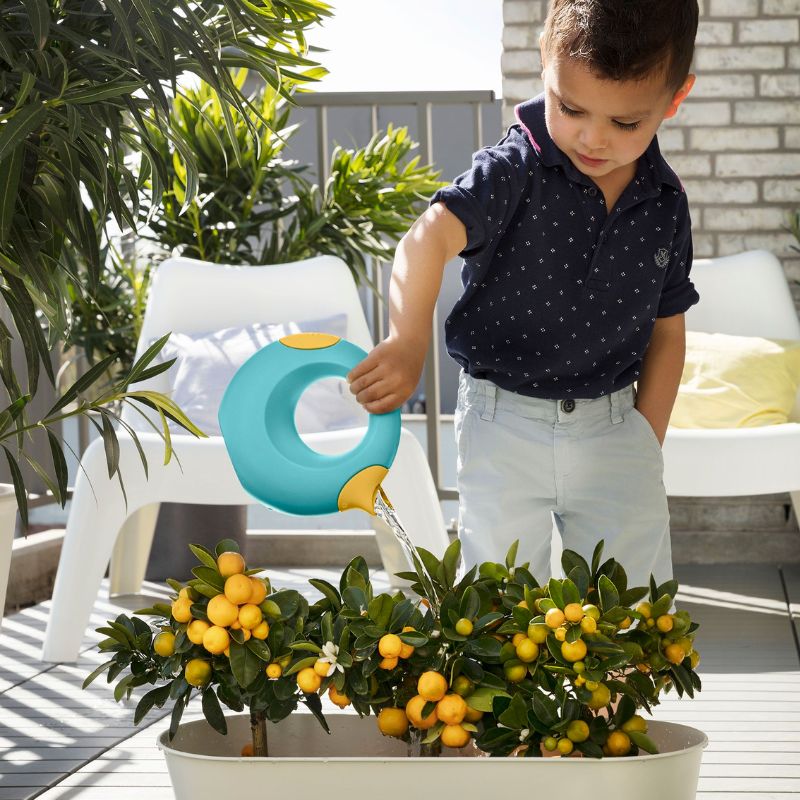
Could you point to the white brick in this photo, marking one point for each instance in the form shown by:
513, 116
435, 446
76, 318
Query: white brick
777, 243
787, 191
734, 8
703, 246
715, 191
671, 139
520, 37
793, 138
714, 33
758, 165
521, 62
719, 86
738, 58
782, 8
691, 166
743, 219
522, 11
766, 112
780, 85
769, 30
521, 88
791, 267
733, 138
794, 57
691, 113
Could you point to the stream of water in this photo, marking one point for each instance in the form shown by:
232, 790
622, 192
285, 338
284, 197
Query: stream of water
385, 510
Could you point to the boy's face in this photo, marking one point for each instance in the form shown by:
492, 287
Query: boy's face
603, 126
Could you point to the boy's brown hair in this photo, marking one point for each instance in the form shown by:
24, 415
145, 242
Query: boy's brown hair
625, 39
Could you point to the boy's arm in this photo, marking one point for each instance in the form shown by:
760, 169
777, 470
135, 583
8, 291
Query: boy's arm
388, 376
662, 367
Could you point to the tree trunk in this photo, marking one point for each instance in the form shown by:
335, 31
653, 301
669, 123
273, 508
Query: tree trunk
258, 729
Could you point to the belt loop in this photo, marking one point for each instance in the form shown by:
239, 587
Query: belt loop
489, 394
616, 407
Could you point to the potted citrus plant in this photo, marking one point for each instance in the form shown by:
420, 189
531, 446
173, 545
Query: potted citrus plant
506, 668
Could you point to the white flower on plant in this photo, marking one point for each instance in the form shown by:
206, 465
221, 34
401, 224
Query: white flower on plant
524, 734
330, 653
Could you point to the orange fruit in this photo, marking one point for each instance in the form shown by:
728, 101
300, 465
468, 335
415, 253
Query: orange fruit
406, 651
261, 631
518, 637
588, 625
273, 671
665, 623
238, 589
392, 722
554, 618
321, 668
432, 686
464, 627
164, 643
515, 671
250, 616
592, 611
601, 697
694, 658
258, 591
560, 633
463, 685
230, 563
565, 746
216, 639
341, 700
574, 651
197, 672
388, 663
390, 645
451, 709
635, 723
674, 653
473, 715
578, 731
414, 713
454, 736
618, 743
527, 651
221, 611
537, 632
196, 630
308, 680
574, 612
247, 751
182, 609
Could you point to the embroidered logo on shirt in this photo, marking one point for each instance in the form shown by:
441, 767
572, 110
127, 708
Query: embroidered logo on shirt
661, 257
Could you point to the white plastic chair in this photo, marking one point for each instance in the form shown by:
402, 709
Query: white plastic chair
742, 295
192, 296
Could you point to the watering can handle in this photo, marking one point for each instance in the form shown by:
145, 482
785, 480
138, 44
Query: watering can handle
272, 462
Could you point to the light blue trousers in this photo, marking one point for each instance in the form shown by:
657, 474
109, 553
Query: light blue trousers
595, 466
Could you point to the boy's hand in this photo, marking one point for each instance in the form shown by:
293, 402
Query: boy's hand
387, 377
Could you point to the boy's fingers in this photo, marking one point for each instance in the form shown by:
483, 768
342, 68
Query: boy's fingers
385, 405
364, 380
360, 369
373, 392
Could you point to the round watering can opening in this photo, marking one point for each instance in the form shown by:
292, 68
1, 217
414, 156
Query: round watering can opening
328, 405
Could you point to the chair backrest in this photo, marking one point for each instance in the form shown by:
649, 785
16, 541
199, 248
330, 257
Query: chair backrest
746, 294
191, 296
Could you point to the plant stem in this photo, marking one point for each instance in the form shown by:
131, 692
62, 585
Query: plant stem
258, 730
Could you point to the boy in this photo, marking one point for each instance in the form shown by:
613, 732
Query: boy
577, 249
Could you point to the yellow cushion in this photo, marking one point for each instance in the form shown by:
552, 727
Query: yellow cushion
736, 381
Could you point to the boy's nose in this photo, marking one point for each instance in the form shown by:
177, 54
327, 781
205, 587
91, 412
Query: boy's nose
593, 140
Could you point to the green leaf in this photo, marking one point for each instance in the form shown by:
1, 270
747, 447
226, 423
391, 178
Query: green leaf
204, 555
643, 741
259, 648
555, 592
155, 697
511, 555
571, 560
597, 555
211, 576
329, 591
481, 699
570, 592
245, 664
213, 713
96, 672
19, 486
19, 126
609, 597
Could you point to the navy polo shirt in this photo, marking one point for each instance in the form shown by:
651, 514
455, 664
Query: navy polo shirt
561, 293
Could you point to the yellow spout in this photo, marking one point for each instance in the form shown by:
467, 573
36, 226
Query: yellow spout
361, 490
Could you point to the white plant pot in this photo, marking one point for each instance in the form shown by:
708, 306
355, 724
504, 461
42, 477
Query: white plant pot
8, 521
306, 762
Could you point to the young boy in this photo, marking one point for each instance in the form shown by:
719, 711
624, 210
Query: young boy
577, 249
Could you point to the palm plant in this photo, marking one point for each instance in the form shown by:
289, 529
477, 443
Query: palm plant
82, 83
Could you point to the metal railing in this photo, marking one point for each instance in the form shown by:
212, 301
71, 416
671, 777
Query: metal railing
423, 102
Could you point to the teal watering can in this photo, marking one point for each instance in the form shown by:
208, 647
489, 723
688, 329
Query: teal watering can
272, 462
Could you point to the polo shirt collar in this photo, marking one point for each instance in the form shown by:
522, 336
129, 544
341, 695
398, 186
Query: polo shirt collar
530, 115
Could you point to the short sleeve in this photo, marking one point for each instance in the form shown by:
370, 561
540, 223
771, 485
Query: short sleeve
678, 293
483, 198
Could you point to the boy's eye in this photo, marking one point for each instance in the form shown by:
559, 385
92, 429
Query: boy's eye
625, 126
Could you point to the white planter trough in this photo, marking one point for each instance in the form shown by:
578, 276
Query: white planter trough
306, 762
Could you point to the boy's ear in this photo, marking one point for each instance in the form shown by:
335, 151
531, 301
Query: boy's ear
680, 96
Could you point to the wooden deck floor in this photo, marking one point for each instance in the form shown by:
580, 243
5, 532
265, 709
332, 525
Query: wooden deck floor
57, 741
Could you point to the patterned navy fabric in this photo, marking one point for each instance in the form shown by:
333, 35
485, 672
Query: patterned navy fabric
560, 293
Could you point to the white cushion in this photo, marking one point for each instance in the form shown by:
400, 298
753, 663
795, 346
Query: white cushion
206, 363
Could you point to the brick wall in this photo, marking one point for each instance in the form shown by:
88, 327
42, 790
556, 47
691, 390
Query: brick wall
735, 142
